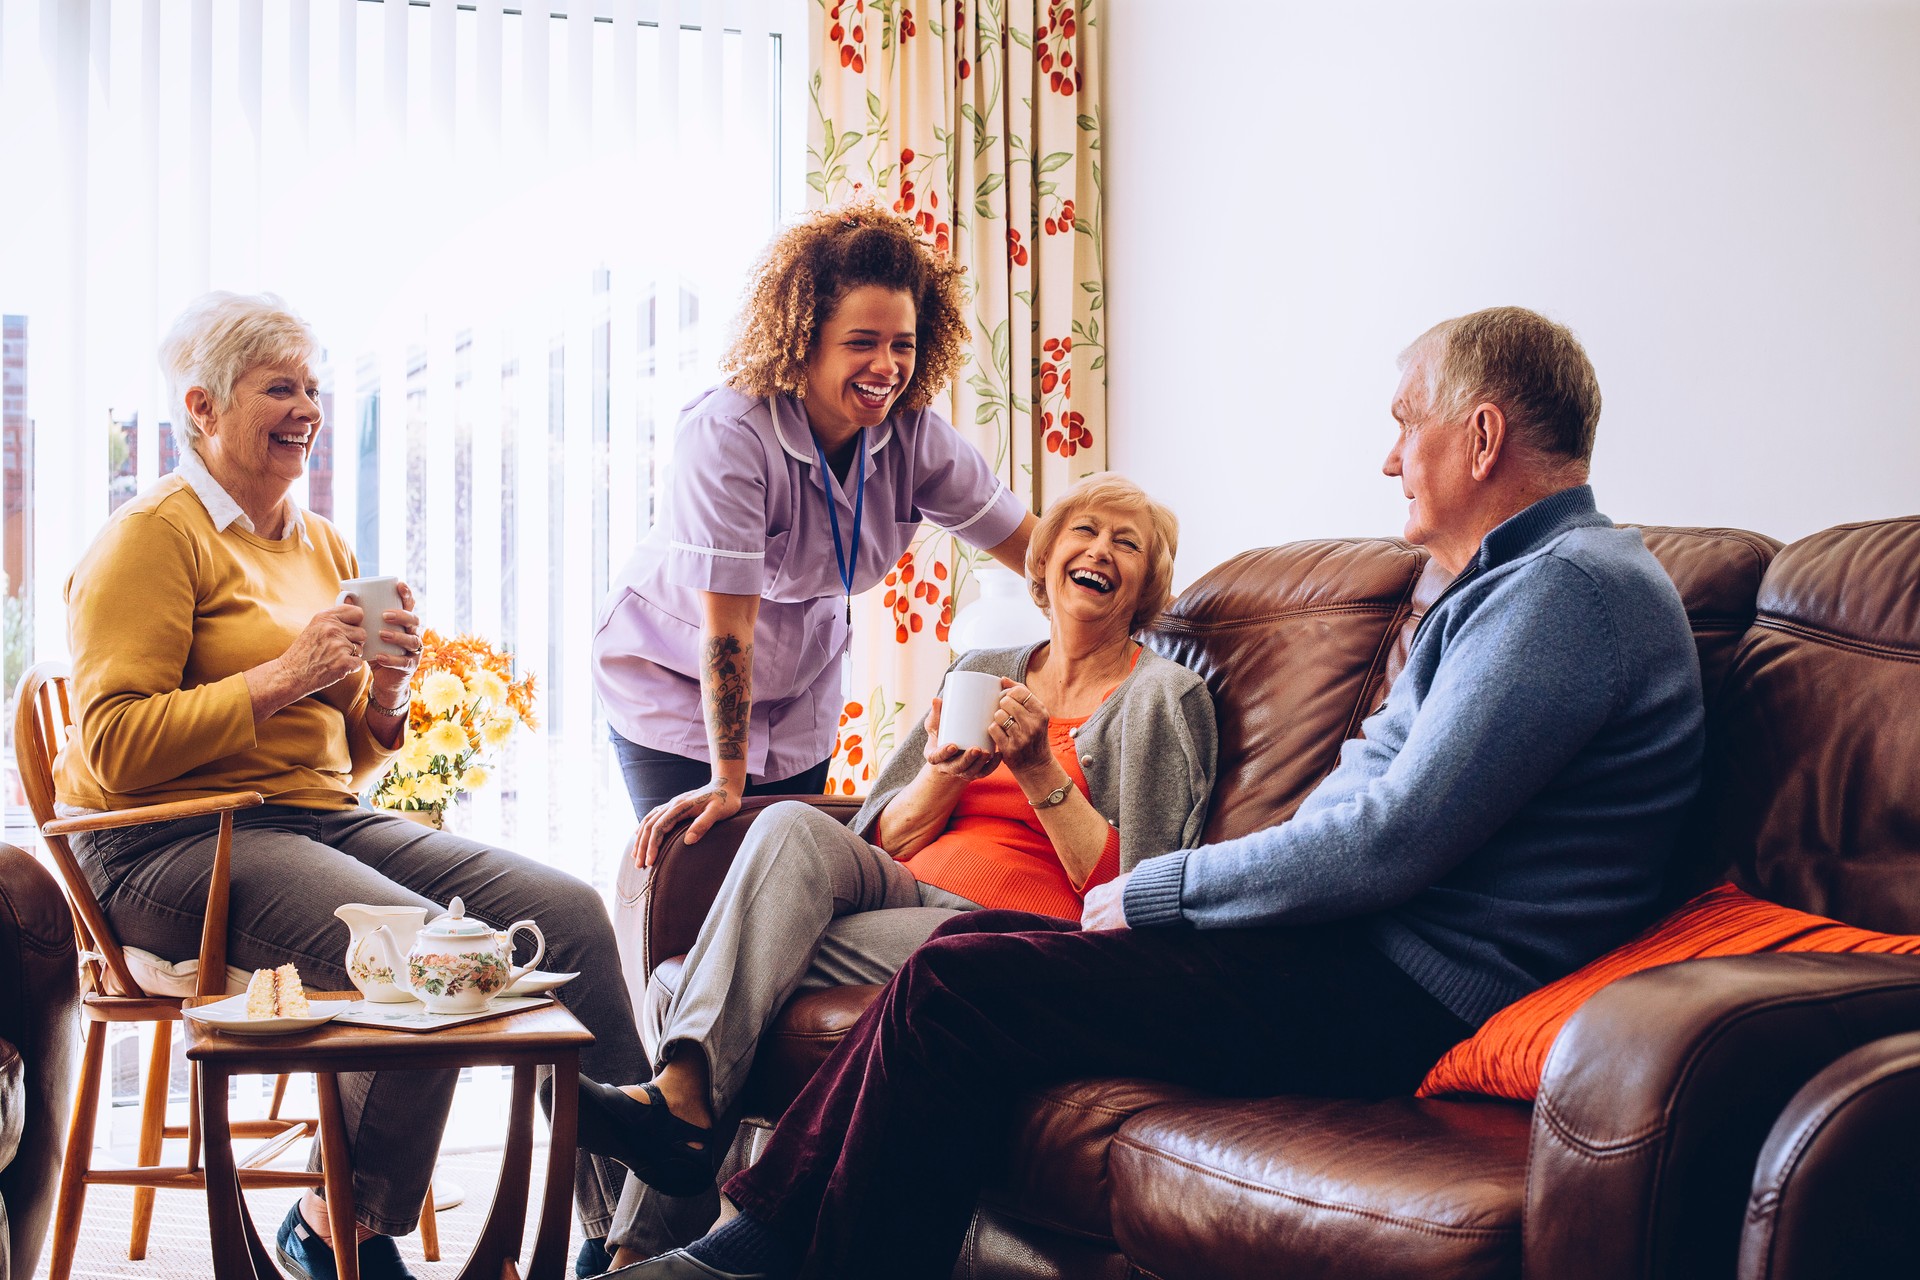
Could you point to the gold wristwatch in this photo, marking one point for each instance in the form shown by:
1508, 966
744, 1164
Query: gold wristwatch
1056, 796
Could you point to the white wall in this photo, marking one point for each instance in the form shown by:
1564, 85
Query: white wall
1722, 199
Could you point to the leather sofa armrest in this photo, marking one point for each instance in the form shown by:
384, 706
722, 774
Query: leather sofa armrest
1833, 1193
1660, 1091
685, 878
40, 1017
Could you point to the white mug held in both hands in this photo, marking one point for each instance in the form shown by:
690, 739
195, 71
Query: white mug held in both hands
967, 708
375, 596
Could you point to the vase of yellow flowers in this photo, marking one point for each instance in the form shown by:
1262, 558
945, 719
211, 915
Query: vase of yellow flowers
465, 706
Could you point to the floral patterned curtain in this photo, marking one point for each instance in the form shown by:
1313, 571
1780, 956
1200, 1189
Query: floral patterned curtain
982, 120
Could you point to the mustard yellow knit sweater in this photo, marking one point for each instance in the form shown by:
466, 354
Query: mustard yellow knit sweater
164, 614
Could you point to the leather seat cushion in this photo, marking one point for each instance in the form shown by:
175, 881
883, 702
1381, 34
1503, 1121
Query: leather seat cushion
807, 1030
1322, 1187
13, 1102
1056, 1171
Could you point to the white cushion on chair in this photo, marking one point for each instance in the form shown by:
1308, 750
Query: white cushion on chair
170, 978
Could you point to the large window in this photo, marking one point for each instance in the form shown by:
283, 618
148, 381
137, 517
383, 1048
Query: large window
520, 236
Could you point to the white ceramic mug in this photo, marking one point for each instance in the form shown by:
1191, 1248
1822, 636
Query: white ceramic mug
375, 596
968, 706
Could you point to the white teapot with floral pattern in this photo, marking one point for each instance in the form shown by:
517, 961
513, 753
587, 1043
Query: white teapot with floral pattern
457, 964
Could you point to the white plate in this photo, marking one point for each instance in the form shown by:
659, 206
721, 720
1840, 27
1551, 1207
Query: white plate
230, 1015
538, 981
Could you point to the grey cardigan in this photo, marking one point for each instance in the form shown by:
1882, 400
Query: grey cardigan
1149, 753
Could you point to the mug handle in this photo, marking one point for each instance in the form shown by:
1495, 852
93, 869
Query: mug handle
518, 972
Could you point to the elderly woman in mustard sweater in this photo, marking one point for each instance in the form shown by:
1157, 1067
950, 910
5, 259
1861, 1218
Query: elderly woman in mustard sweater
209, 655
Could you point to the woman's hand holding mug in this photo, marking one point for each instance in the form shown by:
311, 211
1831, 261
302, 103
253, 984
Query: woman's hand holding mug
395, 653
951, 762
1019, 728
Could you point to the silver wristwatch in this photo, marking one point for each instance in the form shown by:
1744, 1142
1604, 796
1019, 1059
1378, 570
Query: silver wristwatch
397, 710
1056, 796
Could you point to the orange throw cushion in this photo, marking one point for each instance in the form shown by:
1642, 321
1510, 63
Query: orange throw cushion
1506, 1057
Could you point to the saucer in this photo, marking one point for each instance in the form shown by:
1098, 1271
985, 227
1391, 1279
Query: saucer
538, 981
230, 1015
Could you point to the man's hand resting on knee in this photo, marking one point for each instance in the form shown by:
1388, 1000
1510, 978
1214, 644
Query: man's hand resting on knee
1105, 906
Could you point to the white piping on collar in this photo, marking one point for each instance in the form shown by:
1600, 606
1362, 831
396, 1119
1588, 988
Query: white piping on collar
807, 457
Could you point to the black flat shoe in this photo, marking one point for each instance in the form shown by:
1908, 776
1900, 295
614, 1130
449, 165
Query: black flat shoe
655, 1144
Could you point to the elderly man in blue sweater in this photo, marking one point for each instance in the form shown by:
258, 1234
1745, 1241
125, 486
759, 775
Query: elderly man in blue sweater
1505, 817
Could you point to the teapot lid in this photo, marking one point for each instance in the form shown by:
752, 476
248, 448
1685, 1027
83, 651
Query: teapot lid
456, 923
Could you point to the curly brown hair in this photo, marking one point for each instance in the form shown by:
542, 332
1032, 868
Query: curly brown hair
811, 266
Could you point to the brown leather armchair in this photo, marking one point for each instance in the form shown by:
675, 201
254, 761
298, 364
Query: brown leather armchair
1639, 1155
1833, 1194
39, 1021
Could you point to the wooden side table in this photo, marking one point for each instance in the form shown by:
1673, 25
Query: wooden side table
547, 1036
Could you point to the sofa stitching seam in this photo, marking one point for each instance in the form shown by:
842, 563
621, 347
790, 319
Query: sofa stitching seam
1416, 1224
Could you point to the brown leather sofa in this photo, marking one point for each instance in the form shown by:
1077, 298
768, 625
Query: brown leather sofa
39, 1025
1833, 1193
1639, 1156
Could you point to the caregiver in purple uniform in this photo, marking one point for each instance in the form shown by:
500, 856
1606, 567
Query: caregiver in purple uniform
796, 484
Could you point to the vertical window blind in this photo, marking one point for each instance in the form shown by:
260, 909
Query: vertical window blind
520, 234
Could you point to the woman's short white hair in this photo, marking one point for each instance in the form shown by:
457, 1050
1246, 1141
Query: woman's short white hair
219, 337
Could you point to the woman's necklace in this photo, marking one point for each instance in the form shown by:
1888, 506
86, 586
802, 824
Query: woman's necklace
847, 560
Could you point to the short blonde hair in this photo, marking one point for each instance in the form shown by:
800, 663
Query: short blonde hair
219, 337
1110, 489
815, 263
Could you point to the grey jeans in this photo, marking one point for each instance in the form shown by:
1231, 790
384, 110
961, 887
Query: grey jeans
807, 904
291, 868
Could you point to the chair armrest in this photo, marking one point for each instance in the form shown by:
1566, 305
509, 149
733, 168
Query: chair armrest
1660, 1091
141, 815
686, 878
1833, 1194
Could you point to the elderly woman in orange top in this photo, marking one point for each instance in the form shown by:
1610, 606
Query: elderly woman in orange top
1103, 752
209, 655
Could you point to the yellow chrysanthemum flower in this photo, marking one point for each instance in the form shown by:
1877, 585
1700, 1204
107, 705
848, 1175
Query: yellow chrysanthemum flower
496, 730
490, 686
447, 738
415, 756
473, 779
401, 790
442, 691
431, 790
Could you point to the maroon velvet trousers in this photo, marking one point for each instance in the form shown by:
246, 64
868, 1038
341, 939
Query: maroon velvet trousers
875, 1167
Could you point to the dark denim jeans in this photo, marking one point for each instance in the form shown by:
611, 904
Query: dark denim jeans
654, 777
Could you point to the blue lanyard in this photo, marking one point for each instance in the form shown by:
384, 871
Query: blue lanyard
846, 559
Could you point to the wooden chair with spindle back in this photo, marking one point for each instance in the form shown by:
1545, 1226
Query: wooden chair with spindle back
113, 990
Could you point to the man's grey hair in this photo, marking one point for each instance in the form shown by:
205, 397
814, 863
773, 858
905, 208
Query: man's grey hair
1535, 370
219, 337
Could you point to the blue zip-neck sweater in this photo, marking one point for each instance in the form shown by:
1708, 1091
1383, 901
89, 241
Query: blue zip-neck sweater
1509, 812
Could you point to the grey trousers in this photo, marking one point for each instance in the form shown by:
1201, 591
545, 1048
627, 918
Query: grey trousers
291, 868
806, 905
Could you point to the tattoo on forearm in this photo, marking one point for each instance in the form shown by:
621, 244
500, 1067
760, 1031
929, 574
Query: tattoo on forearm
729, 695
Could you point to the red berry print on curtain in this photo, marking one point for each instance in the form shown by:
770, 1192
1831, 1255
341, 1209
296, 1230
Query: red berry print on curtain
913, 597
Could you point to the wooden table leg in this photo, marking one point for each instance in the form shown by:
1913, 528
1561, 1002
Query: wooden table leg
496, 1254
556, 1209
337, 1168
237, 1252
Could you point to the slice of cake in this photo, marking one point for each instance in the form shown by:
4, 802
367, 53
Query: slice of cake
276, 993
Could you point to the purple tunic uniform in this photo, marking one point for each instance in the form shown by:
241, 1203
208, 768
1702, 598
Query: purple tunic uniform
745, 515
